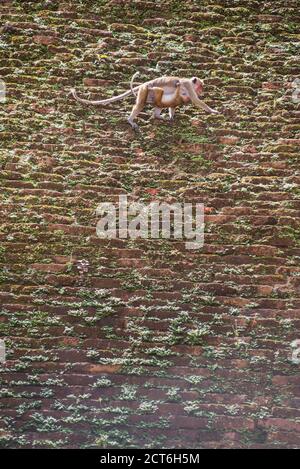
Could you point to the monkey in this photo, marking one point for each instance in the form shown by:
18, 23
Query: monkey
165, 92
155, 95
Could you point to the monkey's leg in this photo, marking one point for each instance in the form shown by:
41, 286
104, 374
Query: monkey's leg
139, 106
171, 113
156, 113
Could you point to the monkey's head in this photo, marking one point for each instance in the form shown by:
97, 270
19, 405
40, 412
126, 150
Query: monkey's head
198, 85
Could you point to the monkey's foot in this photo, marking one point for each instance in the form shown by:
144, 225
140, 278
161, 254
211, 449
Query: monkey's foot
133, 125
158, 117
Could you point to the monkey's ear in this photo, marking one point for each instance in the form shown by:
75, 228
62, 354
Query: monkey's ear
194, 80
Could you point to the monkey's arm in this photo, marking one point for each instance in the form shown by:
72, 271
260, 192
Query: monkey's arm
194, 98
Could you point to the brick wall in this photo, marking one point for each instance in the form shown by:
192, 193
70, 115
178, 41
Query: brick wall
143, 343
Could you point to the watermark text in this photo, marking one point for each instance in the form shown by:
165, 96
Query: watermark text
154, 220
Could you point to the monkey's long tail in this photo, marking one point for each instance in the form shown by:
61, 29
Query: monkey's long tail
131, 83
102, 102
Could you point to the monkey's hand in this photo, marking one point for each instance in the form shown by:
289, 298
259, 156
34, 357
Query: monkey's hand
214, 111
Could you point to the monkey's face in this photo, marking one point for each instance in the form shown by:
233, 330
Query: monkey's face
198, 85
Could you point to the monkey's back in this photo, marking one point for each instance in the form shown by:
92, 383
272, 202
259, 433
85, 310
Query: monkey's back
163, 82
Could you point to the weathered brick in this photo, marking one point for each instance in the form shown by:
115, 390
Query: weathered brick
158, 345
